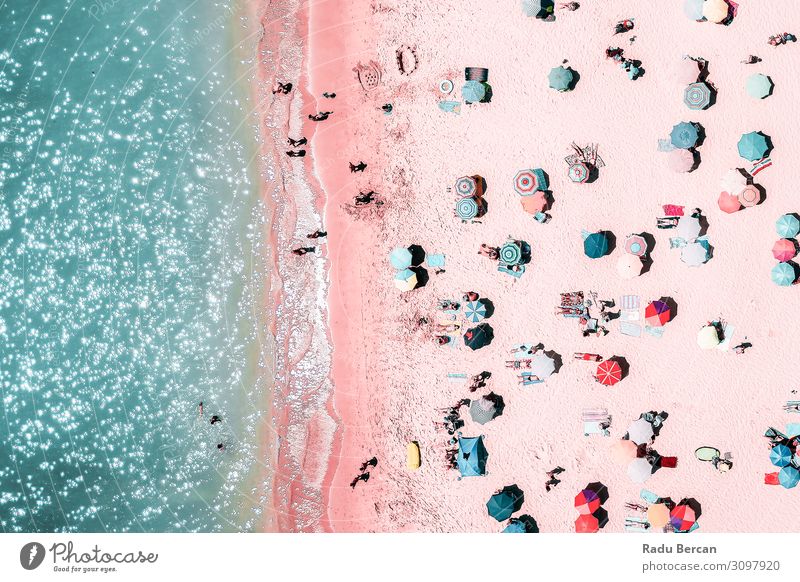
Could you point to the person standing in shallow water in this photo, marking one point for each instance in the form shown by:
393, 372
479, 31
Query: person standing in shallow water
303, 250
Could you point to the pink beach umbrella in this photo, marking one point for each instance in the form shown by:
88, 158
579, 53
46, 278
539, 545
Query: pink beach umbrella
784, 250
636, 245
680, 161
624, 451
688, 71
728, 203
749, 196
534, 204
629, 266
716, 11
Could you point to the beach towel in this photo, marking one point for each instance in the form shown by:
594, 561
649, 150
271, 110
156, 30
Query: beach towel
669, 462
649, 496
450, 107
629, 308
792, 429
457, 377
673, 210
631, 329
654, 331
435, 261
771, 479
763, 164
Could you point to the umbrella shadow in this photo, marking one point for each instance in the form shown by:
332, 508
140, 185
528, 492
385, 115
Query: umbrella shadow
517, 494
703, 75
770, 145
771, 87
703, 223
693, 504
487, 97
600, 489
647, 259
712, 96
623, 365
417, 255
762, 193
422, 276
612, 240
594, 174
576, 76
526, 252
602, 517
697, 159
489, 305
558, 361
483, 207
530, 524
482, 185
673, 306
701, 134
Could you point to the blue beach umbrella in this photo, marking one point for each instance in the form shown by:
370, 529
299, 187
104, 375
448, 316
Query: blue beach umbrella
474, 311
503, 504
595, 245
784, 274
515, 527
788, 226
684, 135
789, 477
780, 455
473, 92
472, 456
467, 208
753, 146
560, 78
400, 258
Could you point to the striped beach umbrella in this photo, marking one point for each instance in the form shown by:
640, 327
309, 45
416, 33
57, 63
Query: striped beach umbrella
467, 208
680, 161
657, 313
595, 245
728, 203
560, 78
697, 96
526, 182
708, 337
578, 172
473, 92
608, 373
716, 11
789, 477
466, 186
788, 226
749, 196
587, 502
534, 204
784, 274
400, 258
753, 146
587, 523
640, 470
640, 431
780, 455
482, 410
629, 266
694, 254
474, 311
684, 135
636, 245
682, 517
759, 86
784, 249
542, 366
511, 253
405, 280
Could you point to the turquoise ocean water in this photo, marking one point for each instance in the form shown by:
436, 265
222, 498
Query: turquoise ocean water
130, 281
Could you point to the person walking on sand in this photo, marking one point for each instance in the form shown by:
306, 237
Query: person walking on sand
373, 462
297, 142
283, 88
329, 95
365, 198
303, 250
359, 167
296, 153
317, 234
321, 116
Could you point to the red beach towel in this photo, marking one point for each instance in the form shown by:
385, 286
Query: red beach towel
673, 210
771, 479
669, 462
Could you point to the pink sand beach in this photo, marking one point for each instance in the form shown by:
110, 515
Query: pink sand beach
385, 380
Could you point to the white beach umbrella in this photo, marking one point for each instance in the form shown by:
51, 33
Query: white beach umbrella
733, 182
640, 431
542, 366
694, 254
688, 227
640, 470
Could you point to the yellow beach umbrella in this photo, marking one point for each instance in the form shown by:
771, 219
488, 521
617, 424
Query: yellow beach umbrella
658, 515
708, 337
412, 456
715, 10
405, 280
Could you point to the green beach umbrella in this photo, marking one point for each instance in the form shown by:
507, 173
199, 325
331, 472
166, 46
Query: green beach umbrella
467, 208
759, 86
473, 92
595, 245
753, 146
561, 78
400, 258
784, 274
788, 226
684, 135
511, 253
505, 502
697, 96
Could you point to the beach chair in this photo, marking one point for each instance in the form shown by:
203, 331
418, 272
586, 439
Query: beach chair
528, 379
516, 274
792, 406
629, 307
591, 427
631, 329
654, 331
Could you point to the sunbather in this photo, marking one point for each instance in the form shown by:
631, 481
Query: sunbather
528, 378
448, 327
517, 364
442, 339
491, 252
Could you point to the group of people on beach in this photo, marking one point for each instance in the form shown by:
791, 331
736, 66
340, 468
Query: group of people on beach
215, 419
364, 471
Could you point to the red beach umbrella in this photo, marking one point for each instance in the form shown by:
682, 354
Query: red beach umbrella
682, 517
608, 373
657, 313
784, 250
587, 502
587, 523
729, 203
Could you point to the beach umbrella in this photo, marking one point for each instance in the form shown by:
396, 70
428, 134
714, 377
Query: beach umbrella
623, 451
534, 204
788, 477
514, 527
401, 258
578, 172
473, 92
538, 8
595, 245
716, 11
479, 336
658, 515
640, 470
693, 9
472, 456
608, 372
467, 208
682, 517
405, 280
753, 146
780, 455
526, 182
708, 337
684, 135
759, 86
784, 250
687, 71
587, 523
542, 366
680, 161
657, 314
466, 186
482, 410
749, 196
784, 274
511, 253
474, 311
505, 502
728, 203
697, 96
641, 431
587, 502
561, 78
636, 245
788, 226
733, 182
629, 266
694, 254
689, 227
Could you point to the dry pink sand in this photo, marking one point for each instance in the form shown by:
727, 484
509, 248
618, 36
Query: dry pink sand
390, 378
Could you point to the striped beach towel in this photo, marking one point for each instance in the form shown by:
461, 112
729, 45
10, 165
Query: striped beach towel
765, 163
629, 307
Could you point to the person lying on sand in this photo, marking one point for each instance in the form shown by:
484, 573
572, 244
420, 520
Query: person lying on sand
442, 339
321, 116
297, 142
471, 296
448, 327
317, 234
528, 378
517, 364
303, 250
364, 198
447, 305
571, 6
359, 167
751, 60
296, 153
329, 95
283, 88
491, 252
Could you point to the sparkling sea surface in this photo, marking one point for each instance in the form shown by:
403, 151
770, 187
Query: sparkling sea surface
130, 282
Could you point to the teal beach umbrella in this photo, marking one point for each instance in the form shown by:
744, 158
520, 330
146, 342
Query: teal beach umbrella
473, 92
784, 274
788, 226
504, 503
789, 477
472, 456
561, 78
753, 146
474, 311
759, 86
467, 208
515, 527
400, 258
511, 253
684, 135
780, 455
595, 245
